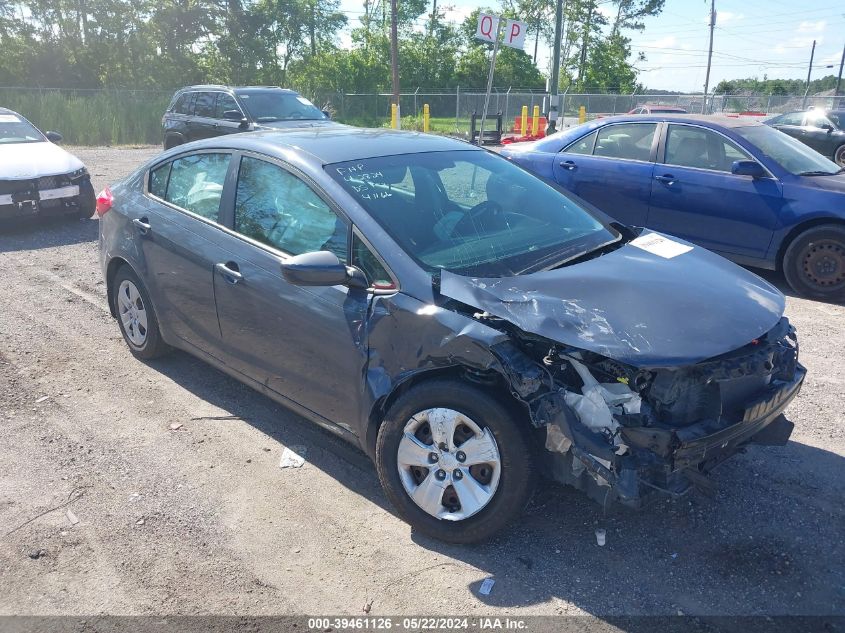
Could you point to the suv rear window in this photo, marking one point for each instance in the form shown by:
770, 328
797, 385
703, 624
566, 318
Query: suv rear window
183, 103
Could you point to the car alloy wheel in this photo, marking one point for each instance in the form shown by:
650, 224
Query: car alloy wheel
455, 460
132, 313
448, 465
839, 156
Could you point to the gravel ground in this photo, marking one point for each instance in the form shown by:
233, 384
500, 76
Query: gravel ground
201, 519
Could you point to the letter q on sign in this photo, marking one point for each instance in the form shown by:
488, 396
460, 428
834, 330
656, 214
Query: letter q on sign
488, 27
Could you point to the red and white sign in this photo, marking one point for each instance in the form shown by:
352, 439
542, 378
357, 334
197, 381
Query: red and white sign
515, 34
488, 27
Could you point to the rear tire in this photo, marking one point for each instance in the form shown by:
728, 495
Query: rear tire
496, 475
136, 315
814, 262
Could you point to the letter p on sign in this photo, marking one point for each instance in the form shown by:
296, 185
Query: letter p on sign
515, 34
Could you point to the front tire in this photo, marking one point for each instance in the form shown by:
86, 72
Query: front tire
454, 462
136, 316
839, 155
814, 262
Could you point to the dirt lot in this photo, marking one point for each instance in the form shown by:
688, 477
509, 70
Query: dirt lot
203, 520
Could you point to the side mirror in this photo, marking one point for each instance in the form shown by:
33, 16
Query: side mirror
54, 137
233, 115
327, 114
828, 127
321, 268
748, 168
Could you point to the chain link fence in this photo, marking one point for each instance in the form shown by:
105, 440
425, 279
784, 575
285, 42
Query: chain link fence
451, 111
115, 117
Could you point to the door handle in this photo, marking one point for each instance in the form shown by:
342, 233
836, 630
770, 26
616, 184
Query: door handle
569, 164
143, 225
666, 179
232, 276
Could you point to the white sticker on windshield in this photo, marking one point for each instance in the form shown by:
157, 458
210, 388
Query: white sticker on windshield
304, 101
9, 118
659, 245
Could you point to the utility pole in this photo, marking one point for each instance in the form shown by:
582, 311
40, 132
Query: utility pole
499, 21
394, 54
809, 72
591, 7
709, 55
433, 17
839, 78
555, 80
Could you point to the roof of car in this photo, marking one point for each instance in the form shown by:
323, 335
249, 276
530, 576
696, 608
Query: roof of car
339, 144
713, 119
233, 88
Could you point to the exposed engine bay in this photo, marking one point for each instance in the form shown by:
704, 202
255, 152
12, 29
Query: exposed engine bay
619, 432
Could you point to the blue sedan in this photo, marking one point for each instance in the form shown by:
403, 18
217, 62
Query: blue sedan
736, 187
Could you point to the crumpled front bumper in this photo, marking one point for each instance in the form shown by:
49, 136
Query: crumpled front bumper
55, 195
669, 462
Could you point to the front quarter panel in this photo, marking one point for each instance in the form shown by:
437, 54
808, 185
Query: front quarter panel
407, 338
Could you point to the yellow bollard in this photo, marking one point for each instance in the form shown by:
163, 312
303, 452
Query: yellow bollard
523, 128
426, 118
535, 122
582, 114
393, 115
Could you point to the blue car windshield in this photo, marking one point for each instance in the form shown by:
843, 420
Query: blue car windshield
789, 153
471, 212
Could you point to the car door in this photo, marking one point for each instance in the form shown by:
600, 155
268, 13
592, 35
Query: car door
695, 195
227, 125
307, 344
180, 236
612, 169
203, 124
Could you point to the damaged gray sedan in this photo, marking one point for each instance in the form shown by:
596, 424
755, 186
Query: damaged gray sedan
467, 324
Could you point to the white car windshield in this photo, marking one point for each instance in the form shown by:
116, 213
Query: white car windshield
14, 129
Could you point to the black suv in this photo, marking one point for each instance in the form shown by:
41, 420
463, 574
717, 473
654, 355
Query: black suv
197, 112
823, 130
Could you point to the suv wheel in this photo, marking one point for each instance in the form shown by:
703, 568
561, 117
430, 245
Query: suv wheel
136, 316
453, 462
814, 263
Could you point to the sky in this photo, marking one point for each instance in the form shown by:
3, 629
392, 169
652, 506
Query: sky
752, 38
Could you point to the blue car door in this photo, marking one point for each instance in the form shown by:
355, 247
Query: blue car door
612, 168
695, 196
307, 344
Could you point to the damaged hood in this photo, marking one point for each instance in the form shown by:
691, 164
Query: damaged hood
23, 161
647, 307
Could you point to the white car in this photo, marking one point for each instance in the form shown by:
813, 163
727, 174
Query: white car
37, 177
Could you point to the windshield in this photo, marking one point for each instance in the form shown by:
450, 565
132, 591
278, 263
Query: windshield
268, 106
14, 129
471, 212
792, 155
